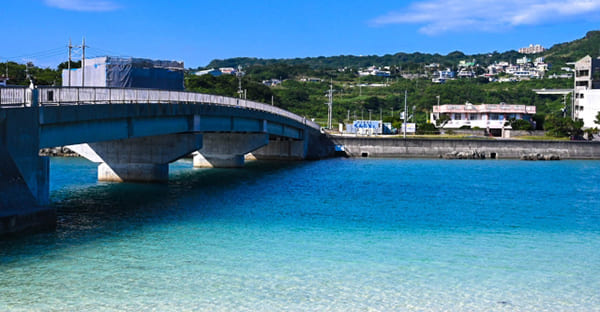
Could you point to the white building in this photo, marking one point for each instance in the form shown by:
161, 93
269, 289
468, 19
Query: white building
374, 71
227, 70
484, 116
532, 49
587, 107
587, 91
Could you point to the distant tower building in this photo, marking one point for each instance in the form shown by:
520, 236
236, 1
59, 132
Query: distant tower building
532, 49
587, 91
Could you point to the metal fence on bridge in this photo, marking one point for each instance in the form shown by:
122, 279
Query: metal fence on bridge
14, 96
57, 96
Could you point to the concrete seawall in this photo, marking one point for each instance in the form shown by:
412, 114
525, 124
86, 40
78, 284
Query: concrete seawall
436, 148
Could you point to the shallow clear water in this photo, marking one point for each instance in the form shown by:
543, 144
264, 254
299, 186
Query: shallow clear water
340, 234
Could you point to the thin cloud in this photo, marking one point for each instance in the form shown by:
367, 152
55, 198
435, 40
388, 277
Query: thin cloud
439, 16
83, 5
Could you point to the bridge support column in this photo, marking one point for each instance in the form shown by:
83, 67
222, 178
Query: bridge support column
227, 150
24, 176
281, 148
143, 159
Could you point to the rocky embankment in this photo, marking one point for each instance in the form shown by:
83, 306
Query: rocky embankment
464, 155
540, 157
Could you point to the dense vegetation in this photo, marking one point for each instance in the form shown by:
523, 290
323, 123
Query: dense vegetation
308, 98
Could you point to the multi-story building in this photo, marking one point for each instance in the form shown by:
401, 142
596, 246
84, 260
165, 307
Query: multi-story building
532, 49
484, 116
587, 91
374, 71
120, 72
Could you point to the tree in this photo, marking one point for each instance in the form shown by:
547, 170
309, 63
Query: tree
597, 120
442, 121
519, 124
563, 127
65, 65
427, 128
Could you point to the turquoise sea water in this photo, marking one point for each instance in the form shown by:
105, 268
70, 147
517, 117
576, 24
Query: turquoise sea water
333, 235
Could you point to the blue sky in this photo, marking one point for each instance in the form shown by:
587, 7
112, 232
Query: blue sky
197, 31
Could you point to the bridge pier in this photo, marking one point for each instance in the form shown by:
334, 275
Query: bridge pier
143, 159
24, 176
282, 149
227, 150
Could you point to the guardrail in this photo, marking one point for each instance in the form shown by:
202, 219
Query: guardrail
57, 96
14, 96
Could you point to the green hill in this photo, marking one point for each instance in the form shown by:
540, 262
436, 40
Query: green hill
557, 55
408, 61
572, 51
308, 98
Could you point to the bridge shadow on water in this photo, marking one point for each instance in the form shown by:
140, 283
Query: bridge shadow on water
88, 210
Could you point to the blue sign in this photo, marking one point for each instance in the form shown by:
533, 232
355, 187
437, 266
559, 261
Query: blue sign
366, 124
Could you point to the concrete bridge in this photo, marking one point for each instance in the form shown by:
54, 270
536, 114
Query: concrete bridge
133, 134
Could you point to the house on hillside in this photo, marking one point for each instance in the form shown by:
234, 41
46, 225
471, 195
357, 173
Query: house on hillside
211, 71
532, 49
271, 82
374, 71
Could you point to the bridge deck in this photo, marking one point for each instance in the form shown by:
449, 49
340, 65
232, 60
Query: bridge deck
14, 97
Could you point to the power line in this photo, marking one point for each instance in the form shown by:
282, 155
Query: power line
40, 54
103, 51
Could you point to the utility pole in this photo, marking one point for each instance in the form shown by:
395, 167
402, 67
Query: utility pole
438, 105
405, 113
83, 63
239, 74
359, 86
69, 63
330, 104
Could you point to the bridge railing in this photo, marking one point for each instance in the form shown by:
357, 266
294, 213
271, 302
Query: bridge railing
56, 96
15, 96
